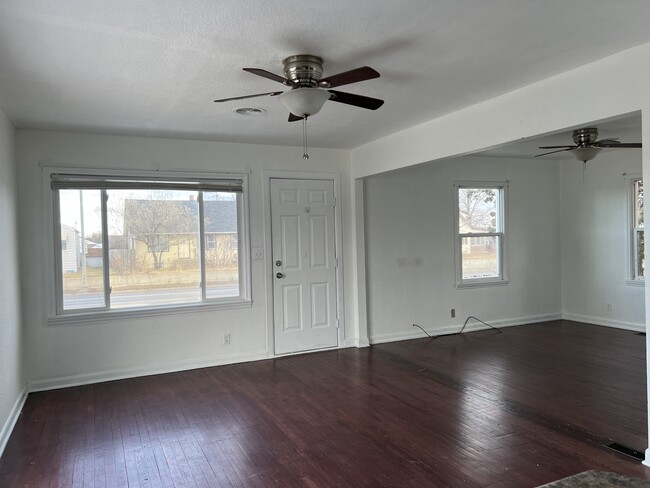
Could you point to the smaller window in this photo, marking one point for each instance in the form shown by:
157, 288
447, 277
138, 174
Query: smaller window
637, 240
210, 241
157, 243
480, 233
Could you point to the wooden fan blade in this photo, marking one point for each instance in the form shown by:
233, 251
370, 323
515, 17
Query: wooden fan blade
353, 76
571, 148
271, 94
356, 100
557, 147
617, 145
294, 118
268, 75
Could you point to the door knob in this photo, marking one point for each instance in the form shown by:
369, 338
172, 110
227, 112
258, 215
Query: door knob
279, 275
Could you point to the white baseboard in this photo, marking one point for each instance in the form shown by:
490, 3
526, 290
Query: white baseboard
356, 342
415, 333
9, 425
123, 373
618, 324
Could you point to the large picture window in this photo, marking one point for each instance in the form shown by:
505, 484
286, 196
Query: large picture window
480, 233
143, 244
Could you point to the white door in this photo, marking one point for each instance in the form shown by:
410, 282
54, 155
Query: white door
304, 265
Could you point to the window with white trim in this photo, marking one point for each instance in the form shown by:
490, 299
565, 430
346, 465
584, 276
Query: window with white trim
143, 242
481, 251
637, 240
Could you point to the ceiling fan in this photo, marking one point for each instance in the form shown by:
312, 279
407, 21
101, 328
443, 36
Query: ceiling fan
309, 90
587, 146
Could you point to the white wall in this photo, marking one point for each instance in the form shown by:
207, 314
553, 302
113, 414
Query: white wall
410, 248
594, 222
11, 367
95, 351
610, 87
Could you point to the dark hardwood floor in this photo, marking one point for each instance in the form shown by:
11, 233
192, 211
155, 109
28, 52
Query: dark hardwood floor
517, 409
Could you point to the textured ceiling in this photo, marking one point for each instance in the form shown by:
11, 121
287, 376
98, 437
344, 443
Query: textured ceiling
153, 67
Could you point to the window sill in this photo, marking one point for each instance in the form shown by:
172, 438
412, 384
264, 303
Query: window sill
481, 284
639, 283
113, 315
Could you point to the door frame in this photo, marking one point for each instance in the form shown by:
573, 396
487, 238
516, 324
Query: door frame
335, 178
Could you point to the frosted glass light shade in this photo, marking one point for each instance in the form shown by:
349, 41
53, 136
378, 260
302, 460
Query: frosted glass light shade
304, 101
586, 153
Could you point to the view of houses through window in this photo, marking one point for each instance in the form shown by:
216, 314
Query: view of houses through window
480, 233
638, 242
157, 252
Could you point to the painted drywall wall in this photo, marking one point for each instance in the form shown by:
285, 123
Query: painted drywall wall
409, 218
11, 366
95, 351
611, 87
594, 223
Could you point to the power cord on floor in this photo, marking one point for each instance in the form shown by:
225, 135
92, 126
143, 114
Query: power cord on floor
471, 317
428, 335
478, 320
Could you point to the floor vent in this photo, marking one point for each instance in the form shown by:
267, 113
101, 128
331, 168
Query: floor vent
628, 451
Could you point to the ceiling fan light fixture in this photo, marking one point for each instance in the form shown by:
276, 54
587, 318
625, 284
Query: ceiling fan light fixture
304, 101
585, 154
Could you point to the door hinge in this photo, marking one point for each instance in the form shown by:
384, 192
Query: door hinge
336, 262
334, 202
337, 323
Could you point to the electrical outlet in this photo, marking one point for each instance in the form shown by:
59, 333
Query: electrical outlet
226, 338
609, 307
453, 313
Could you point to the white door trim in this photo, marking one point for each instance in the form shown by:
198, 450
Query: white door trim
267, 175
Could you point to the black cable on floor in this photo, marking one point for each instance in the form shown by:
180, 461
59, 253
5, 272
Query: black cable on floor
479, 320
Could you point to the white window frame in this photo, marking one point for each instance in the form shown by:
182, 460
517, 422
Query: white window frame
56, 315
503, 277
633, 278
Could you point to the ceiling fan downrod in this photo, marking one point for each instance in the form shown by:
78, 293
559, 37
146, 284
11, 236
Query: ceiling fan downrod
305, 155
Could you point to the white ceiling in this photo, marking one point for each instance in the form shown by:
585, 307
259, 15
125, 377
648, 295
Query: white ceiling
153, 67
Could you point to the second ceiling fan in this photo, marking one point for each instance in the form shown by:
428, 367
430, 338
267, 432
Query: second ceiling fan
587, 146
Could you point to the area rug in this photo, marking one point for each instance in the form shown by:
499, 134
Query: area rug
598, 479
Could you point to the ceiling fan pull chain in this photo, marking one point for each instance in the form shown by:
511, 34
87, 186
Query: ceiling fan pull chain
584, 170
304, 138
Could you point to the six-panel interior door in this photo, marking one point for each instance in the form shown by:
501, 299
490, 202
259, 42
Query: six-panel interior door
304, 265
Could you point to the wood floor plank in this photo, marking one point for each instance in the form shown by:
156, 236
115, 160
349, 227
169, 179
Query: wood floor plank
519, 408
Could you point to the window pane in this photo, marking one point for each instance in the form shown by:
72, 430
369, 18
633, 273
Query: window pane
480, 260
478, 210
222, 244
640, 253
81, 249
153, 247
638, 203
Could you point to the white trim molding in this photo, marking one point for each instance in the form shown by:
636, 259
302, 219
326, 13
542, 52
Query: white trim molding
617, 324
472, 326
125, 373
14, 414
356, 342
